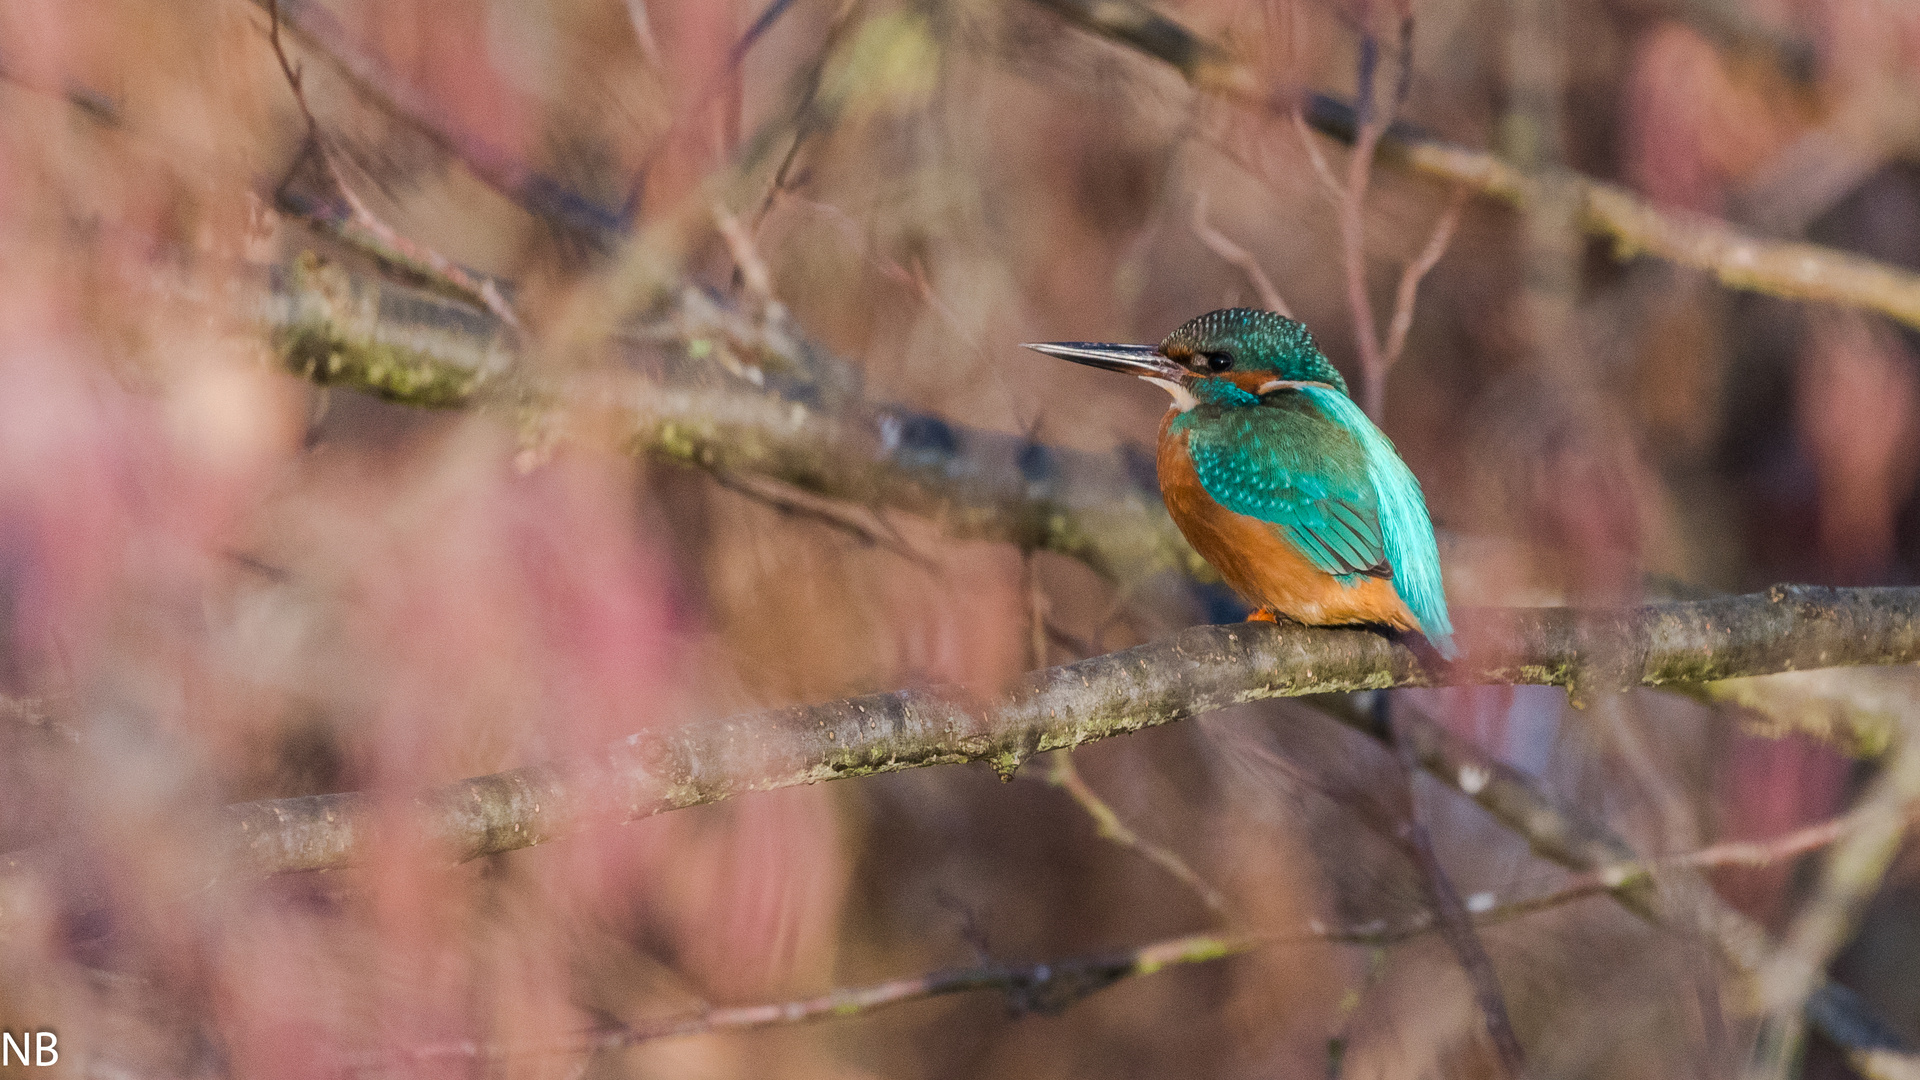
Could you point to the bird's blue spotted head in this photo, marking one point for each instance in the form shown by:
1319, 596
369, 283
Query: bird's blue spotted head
1248, 341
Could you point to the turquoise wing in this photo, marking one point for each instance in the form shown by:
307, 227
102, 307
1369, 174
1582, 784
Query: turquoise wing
1299, 471
1404, 524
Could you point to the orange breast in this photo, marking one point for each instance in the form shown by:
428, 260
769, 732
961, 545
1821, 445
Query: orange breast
1258, 561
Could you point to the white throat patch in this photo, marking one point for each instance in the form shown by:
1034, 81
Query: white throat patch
1183, 398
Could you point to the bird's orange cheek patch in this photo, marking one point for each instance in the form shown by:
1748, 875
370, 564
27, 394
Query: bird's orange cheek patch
1250, 381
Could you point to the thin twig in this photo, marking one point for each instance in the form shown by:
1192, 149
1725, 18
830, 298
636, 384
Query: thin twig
1683, 896
1565, 836
1353, 253
1455, 923
1036, 612
1850, 876
797, 505
505, 172
1045, 988
1636, 228
746, 257
1063, 775
1066, 639
806, 119
1321, 167
1416, 271
385, 243
1052, 986
1350, 202
1237, 256
913, 278
722, 84
642, 21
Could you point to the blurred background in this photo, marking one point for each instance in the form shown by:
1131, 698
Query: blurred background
221, 580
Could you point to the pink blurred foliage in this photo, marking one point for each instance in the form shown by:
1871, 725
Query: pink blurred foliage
964, 625
754, 897
71, 446
696, 39
1857, 399
483, 617
1768, 787
1691, 129
497, 618
501, 616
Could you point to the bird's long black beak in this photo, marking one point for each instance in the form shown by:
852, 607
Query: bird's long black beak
1142, 360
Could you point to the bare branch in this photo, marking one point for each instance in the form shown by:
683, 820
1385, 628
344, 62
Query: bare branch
1353, 254
1195, 671
1321, 168
1451, 916
1416, 271
363, 228
642, 21
1045, 988
337, 328
746, 256
505, 172
812, 508
1563, 835
1850, 877
1055, 985
1237, 256
1737, 260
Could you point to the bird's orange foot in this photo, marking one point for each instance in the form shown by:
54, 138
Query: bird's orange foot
1265, 614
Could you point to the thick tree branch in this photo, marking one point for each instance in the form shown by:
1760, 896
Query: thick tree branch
738, 397
1198, 670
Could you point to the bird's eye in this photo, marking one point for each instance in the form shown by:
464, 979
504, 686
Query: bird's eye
1217, 362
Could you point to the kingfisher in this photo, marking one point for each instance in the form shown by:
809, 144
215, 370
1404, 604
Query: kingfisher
1278, 479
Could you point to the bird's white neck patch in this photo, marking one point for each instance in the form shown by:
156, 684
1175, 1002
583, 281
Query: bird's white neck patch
1183, 398
1287, 384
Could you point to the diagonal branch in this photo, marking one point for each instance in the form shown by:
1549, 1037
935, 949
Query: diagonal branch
495, 166
1736, 259
1238, 257
1607, 862
1062, 774
364, 229
1450, 914
1415, 272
